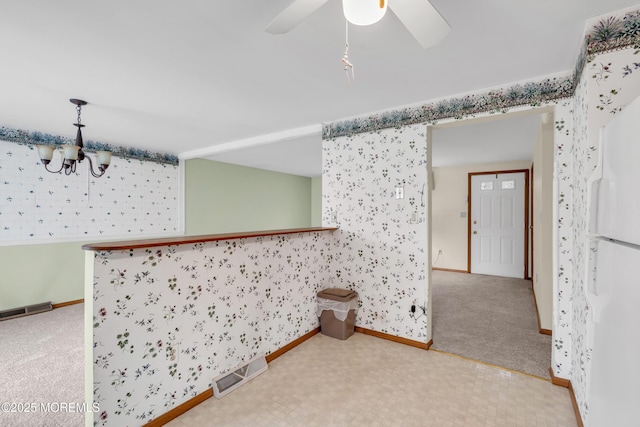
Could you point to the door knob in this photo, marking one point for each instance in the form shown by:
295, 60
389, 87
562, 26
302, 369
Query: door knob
475, 232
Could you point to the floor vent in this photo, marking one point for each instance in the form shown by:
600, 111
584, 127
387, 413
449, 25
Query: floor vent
228, 382
25, 311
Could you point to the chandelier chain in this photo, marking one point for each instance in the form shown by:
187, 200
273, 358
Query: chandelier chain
78, 108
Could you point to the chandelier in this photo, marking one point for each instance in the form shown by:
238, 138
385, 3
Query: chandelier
73, 154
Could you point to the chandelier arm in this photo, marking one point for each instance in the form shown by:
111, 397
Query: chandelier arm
69, 169
58, 171
91, 168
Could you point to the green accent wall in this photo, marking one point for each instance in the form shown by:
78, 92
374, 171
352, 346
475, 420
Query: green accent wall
221, 198
316, 202
32, 274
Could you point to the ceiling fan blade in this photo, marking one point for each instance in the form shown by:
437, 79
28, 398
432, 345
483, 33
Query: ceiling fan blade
422, 20
295, 13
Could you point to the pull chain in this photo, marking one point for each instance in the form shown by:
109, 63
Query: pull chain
345, 58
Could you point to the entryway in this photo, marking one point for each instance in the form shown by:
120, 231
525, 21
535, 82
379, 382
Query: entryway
498, 223
489, 315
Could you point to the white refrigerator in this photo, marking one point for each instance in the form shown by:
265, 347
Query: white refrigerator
613, 274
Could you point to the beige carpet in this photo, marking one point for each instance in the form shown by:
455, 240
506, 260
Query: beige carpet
490, 319
42, 369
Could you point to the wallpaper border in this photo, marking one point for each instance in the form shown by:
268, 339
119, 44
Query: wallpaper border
25, 137
608, 33
494, 101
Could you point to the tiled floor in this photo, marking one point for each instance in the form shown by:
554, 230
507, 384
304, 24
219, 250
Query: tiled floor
368, 381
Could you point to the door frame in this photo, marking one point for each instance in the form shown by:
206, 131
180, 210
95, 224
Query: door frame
527, 214
530, 233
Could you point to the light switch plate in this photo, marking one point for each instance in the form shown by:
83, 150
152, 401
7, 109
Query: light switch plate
399, 192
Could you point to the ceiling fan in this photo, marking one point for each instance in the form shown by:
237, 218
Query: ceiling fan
422, 20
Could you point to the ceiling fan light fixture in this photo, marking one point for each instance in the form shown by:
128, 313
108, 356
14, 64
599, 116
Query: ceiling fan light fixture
364, 12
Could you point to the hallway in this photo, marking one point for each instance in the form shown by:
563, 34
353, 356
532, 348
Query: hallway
489, 319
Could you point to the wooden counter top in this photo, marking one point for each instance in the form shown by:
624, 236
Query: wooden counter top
181, 240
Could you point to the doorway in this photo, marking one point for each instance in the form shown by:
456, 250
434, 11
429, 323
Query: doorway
498, 223
490, 316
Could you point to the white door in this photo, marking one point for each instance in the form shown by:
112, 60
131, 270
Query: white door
498, 224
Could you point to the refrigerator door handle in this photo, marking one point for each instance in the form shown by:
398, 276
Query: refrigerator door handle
590, 288
591, 246
593, 186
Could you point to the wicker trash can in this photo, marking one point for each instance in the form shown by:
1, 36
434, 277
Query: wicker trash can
337, 311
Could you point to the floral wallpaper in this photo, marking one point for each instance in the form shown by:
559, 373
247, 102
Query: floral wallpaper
612, 32
28, 138
495, 101
618, 30
604, 81
380, 250
134, 197
615, 31
169, 319
579, 309
610, 81
563, 281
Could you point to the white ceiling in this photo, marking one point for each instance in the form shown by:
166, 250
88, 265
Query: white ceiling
501, 139
194, 76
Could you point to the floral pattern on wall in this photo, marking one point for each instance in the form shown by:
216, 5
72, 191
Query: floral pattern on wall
609, 82
563, 282
380, 250
169, 319
579, 177
134, 197
354, 169
619, 30
613, 32
495, 101
605, 80
30, 139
